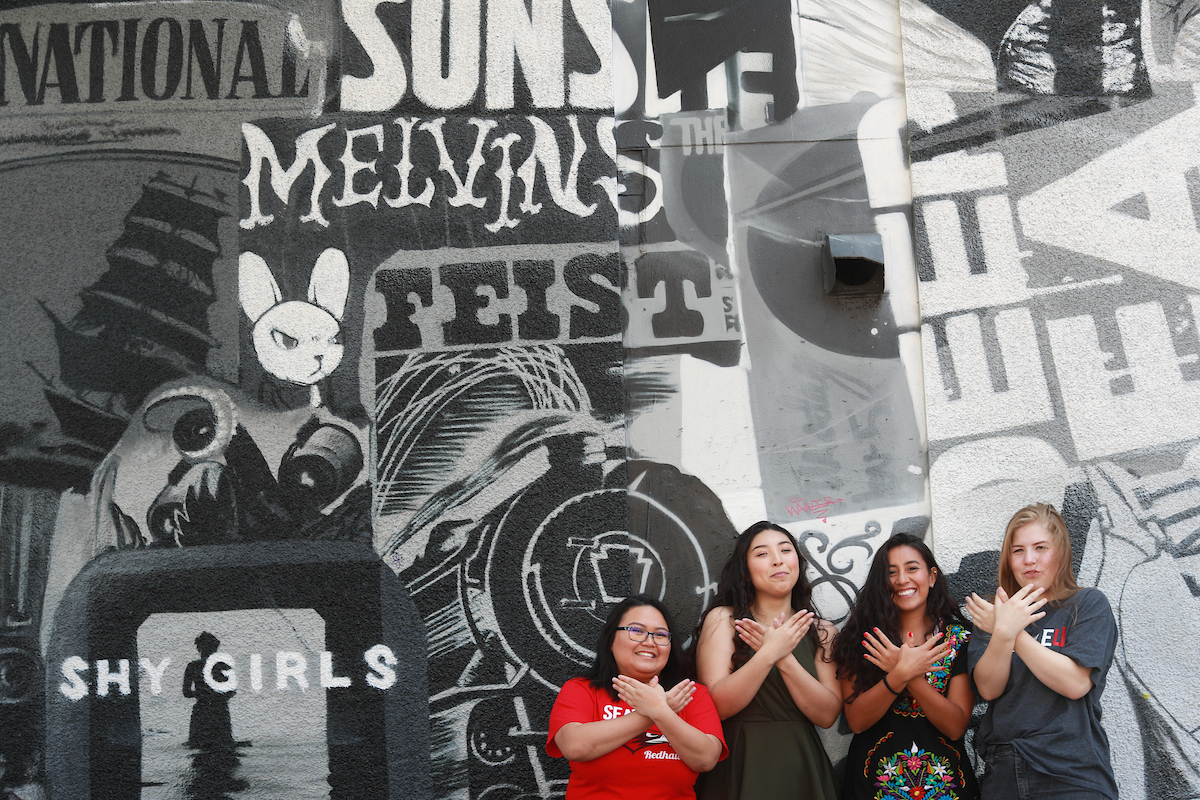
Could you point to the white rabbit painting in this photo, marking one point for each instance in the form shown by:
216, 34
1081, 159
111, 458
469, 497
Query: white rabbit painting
298, 342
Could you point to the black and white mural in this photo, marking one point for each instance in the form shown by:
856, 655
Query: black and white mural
361, 354
1054, 175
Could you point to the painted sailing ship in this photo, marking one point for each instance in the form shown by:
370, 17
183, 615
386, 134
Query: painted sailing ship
143, 322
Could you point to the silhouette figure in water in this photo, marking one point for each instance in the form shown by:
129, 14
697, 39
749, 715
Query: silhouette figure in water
210, 728
212, 776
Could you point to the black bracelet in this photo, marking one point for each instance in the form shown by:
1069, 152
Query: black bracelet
889, 686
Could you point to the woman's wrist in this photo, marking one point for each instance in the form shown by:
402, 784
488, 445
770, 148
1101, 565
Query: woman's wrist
889, 686
1006, 638
786, 660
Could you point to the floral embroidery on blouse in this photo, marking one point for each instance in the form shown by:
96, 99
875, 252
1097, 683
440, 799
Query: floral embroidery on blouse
915, 774
956, 636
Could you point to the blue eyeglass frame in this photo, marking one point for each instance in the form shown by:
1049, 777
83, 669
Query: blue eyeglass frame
661, 638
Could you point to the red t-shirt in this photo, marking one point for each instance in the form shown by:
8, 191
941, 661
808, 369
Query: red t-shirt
645, 767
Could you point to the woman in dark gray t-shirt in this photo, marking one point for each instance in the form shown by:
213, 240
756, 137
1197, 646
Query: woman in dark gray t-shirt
1041, 654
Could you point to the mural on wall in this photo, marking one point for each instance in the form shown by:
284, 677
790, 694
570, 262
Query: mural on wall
763, 371
1056, 215
756, 141
149, 499
472, 192
364, 392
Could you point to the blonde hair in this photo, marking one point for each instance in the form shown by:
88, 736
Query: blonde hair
1062, 586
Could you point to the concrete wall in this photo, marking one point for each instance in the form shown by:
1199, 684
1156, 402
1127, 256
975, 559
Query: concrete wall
1055, 161
392, 343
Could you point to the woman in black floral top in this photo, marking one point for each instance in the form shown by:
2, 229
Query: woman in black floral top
902, 663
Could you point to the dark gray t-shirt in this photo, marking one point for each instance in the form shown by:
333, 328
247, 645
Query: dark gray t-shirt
1056, 735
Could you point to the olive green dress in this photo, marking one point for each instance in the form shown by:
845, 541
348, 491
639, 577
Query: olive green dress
774, 750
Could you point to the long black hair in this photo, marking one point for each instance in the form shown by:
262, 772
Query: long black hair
604, 668
736, 589
875, 608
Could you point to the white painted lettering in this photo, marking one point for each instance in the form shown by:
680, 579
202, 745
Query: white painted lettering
290, 665
461, 82
351, 167
388, 82
105, 677
219, 674
380, 659
465, 196
536, 40
154, 673
75, 688
256, 672
505, 175
259, 149
545, 152
405, 167
594, 90
328, 679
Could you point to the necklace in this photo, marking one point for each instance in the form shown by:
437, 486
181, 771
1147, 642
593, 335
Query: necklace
770, 623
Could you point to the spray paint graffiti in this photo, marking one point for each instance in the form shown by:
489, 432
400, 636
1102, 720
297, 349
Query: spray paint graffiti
1067, 358
582, 335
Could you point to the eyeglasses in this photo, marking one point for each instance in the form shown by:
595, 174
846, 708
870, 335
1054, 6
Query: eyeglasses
661, 638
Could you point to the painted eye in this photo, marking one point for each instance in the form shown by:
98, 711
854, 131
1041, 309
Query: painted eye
336, 338
284, 341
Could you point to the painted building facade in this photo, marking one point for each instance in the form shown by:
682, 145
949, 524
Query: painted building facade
363, 354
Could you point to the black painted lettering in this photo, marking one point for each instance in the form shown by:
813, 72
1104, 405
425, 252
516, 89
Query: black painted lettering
535, 322
399, 332
129, 61
201, 55
96, 53
464, 282
25, 61
580, 274
672, 270
150, 51
250, 49
58, 53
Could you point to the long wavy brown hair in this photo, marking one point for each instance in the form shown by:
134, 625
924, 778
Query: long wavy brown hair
875, 608
1063, 585
736, 590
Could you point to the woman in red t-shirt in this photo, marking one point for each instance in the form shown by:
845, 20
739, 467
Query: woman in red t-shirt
634, 724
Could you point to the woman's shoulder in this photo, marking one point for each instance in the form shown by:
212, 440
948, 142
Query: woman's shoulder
1090, 604
576, 685
1089, 595
718, 615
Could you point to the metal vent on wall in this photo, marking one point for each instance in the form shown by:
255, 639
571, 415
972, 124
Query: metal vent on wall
853, 264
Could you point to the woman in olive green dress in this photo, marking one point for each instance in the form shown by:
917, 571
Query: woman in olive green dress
762, 652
